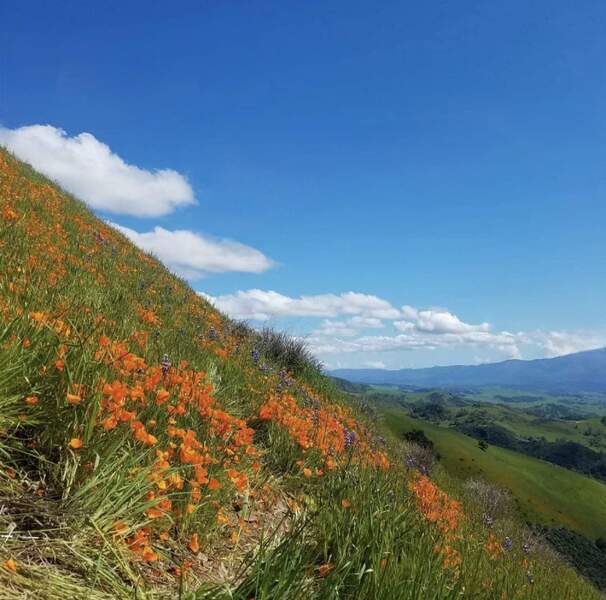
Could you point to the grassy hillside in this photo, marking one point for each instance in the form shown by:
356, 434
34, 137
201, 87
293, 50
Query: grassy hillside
590, 432
556, 429
545, 493
152, 448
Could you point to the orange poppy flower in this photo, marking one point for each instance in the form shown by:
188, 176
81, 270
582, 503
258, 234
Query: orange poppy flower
10, 564
162, 396
75, 443
154, 513
110, 423
149, 555
74, 398
194, 546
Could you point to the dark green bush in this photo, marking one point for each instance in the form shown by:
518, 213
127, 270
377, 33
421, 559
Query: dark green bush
291, 353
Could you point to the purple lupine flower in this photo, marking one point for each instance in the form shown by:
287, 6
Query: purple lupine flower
410, 462
350, 437
285, 380
488, 520
255, 356
165, 365
507, 544
526, 548
212, 334
311, 402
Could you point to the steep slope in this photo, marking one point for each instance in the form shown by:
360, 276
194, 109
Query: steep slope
579, 372
152, 448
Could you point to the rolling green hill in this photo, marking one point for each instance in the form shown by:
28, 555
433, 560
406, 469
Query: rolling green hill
544, 492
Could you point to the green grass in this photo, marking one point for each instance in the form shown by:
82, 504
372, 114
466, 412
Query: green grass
586, 402
546, 493
526, 425
587, 430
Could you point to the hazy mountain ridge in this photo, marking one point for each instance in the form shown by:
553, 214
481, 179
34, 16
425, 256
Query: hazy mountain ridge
572, 373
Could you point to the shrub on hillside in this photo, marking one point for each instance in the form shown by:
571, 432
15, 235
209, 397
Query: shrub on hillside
289, 352
491, 499
417, 436
420, 457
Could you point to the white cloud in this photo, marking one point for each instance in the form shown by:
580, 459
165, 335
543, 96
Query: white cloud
349, 327
404, 326
262, 305
505, 343
436, 320
191, 254
558, 343
375, 364
345, 319
88, 169
366, 323
328, 327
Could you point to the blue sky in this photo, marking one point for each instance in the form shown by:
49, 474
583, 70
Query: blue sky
449, 158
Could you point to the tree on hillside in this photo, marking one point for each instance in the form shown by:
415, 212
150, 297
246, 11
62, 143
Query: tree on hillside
417, 436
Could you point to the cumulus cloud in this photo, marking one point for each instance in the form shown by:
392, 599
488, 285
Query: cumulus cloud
436, 320
507, 344
191, 255
262, 305
346, 321
88, 169
504, 342
375, 364
348, 327
558, 343
366, 323
339, 328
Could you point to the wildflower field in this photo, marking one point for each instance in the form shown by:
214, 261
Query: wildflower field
152, 448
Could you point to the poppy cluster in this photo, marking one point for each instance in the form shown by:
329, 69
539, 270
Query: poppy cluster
438, 508
322, 427
436, 505
190, 463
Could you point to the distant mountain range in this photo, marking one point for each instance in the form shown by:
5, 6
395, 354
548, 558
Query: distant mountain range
573, 373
